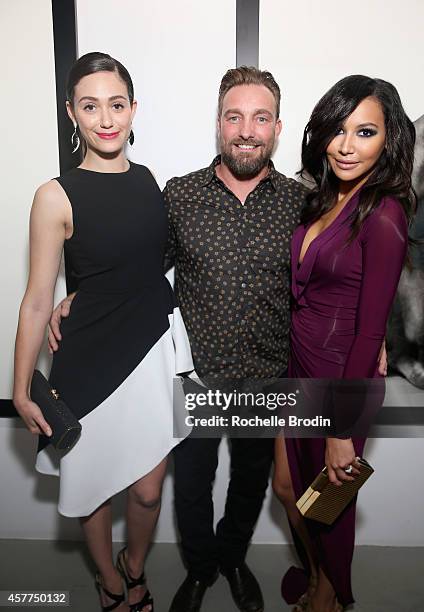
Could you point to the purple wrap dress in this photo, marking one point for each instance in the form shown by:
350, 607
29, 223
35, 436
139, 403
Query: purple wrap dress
342, 295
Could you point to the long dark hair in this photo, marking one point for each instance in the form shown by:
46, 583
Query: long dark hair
392, 172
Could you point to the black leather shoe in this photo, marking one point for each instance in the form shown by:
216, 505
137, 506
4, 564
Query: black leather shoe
189, 596
245, 589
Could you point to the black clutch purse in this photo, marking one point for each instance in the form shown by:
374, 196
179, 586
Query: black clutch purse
64, 425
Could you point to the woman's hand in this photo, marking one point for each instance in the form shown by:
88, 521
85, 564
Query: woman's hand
61, 311
339, 455
32, 417
382, 360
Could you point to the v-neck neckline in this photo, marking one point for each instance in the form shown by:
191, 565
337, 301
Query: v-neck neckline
353, 197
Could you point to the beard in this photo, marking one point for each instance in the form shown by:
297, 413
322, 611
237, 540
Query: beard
245, 165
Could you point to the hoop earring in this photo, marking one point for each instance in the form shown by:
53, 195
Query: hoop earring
131, 138
75, 140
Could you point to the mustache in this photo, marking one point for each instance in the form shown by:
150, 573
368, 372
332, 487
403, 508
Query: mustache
247, 142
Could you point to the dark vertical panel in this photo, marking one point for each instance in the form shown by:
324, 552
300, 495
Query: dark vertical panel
247, 42
65, 53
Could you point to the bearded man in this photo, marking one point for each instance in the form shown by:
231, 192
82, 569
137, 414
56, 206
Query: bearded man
230, 229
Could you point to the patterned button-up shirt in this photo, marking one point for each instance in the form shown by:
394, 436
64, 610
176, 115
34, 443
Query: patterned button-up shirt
232, 270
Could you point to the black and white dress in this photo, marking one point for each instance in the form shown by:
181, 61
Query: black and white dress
123, 343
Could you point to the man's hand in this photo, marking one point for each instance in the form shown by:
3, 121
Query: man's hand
339, 455
382, 360
61, 311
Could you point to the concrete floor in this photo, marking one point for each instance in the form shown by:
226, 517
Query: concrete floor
385, 579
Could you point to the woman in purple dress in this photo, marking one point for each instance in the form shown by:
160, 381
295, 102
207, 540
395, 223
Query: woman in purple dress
347, 256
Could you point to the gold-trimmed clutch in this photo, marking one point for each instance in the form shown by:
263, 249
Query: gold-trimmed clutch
63, 423
323, 501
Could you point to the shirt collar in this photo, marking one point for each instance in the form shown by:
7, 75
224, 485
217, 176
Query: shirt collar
272, 175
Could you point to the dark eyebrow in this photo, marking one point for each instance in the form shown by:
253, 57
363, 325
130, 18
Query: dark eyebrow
92, 99
87, 98
362, 125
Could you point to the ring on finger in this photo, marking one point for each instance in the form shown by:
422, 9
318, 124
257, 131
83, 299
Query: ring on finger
348, 469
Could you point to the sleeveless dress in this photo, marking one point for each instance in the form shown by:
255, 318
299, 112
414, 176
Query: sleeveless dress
342, 294
124, 342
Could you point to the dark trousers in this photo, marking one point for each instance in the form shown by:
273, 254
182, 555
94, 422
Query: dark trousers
195, 463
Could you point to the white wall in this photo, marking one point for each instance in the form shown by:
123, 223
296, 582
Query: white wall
309, 46
29, 152
28, 158
176, 53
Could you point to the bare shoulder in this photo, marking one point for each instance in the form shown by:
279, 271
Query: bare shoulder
51, 200
50, 193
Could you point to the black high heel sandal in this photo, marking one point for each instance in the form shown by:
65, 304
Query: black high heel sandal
118, 599
147, 599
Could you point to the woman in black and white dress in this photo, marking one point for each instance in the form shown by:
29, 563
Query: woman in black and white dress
124, 341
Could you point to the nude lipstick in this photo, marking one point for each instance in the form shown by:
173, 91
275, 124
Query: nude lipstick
345, 165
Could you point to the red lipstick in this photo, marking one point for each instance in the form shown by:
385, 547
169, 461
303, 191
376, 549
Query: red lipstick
107, 135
